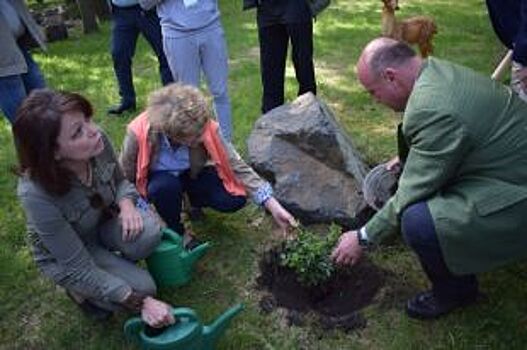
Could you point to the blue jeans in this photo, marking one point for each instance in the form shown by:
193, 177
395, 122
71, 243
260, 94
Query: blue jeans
128, 22
419, 233
14, 88
166, 190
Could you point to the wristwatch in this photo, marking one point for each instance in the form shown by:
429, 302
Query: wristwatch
362, 237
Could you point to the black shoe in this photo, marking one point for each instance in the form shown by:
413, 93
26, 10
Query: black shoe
123, 107
91, 310
426, 306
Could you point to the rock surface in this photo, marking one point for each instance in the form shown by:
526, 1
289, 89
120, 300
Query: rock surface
312, 164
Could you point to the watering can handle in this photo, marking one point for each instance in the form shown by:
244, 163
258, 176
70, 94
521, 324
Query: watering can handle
133, 326
182, 312
171, 236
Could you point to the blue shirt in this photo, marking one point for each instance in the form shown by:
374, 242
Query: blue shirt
174, 159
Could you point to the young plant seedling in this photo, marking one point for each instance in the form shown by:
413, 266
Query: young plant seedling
309, 255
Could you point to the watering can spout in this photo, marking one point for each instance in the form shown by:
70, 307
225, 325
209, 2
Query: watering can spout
198, 252
212, 332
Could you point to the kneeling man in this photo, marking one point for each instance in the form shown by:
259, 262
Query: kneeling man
462, 195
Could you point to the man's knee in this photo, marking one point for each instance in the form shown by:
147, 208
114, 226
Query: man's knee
416, 224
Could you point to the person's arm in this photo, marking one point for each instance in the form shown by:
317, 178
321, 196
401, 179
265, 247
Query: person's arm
128, 157
259, 189
439, 142
63, 244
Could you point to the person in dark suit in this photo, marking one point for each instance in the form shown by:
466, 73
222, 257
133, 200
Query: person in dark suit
129, 19
462, 195
281, 21
509, 19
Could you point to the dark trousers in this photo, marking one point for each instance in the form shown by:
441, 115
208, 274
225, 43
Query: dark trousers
274, 40
420, 234
166, 191
128, 22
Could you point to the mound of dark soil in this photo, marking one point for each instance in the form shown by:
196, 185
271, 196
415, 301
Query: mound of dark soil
336, 302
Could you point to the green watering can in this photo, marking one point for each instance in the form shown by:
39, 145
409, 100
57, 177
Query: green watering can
171, 264
188, 333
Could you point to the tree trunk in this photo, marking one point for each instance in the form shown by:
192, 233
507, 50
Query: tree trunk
102, 10
89, 22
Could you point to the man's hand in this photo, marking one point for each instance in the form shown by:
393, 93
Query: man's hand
348, 251
131, 220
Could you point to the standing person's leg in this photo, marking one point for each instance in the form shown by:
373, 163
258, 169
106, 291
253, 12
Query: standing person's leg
165, 191
207, 190
183, 58
12, 93
301, 35
273, 54
214, 60
449, 291
14, 88
151, 30
124, 39
33, 78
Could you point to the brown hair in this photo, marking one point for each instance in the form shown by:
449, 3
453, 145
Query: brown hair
36, 128
178, 110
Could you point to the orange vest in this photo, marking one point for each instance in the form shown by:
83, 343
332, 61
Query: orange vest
213, 145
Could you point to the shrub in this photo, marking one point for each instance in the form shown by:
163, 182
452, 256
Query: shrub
309, 255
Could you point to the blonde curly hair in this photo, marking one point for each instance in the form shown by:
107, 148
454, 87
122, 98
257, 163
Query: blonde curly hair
178, 111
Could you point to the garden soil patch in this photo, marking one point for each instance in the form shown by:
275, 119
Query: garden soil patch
335, 303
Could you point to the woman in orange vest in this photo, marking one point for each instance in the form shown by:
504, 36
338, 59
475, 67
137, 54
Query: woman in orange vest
175, 147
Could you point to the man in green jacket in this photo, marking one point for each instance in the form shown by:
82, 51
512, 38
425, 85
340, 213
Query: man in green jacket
462, 195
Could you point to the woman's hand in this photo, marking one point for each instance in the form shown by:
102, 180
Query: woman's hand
131, 220
281, 216
348, 251
156, 313
394, 164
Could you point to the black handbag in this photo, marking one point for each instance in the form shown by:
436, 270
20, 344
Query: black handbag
317, 6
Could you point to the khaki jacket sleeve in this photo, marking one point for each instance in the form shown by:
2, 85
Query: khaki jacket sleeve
128, 157
438, 142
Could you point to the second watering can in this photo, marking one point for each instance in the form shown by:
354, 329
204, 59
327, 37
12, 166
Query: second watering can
171, 265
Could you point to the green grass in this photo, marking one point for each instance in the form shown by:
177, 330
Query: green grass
37, 315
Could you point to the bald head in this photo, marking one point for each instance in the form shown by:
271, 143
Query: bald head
390, 67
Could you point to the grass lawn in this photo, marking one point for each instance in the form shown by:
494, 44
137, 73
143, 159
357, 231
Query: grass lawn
37, 315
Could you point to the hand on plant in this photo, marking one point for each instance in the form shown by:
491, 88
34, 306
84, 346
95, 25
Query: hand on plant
281, 216
156, 313
348, 251
131, 220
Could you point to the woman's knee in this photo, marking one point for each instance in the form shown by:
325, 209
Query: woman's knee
147, 240
164, 184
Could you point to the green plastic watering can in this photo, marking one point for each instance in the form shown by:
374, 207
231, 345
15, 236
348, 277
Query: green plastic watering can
171, 264
188, 333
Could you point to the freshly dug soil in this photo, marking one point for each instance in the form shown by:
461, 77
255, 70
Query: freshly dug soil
336, 302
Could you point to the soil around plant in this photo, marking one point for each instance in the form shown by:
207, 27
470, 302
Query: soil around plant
336, 303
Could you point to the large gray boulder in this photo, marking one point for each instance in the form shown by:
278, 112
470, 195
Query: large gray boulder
316, 172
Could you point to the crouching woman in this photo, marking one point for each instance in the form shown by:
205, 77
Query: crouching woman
175, 147
81, 210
